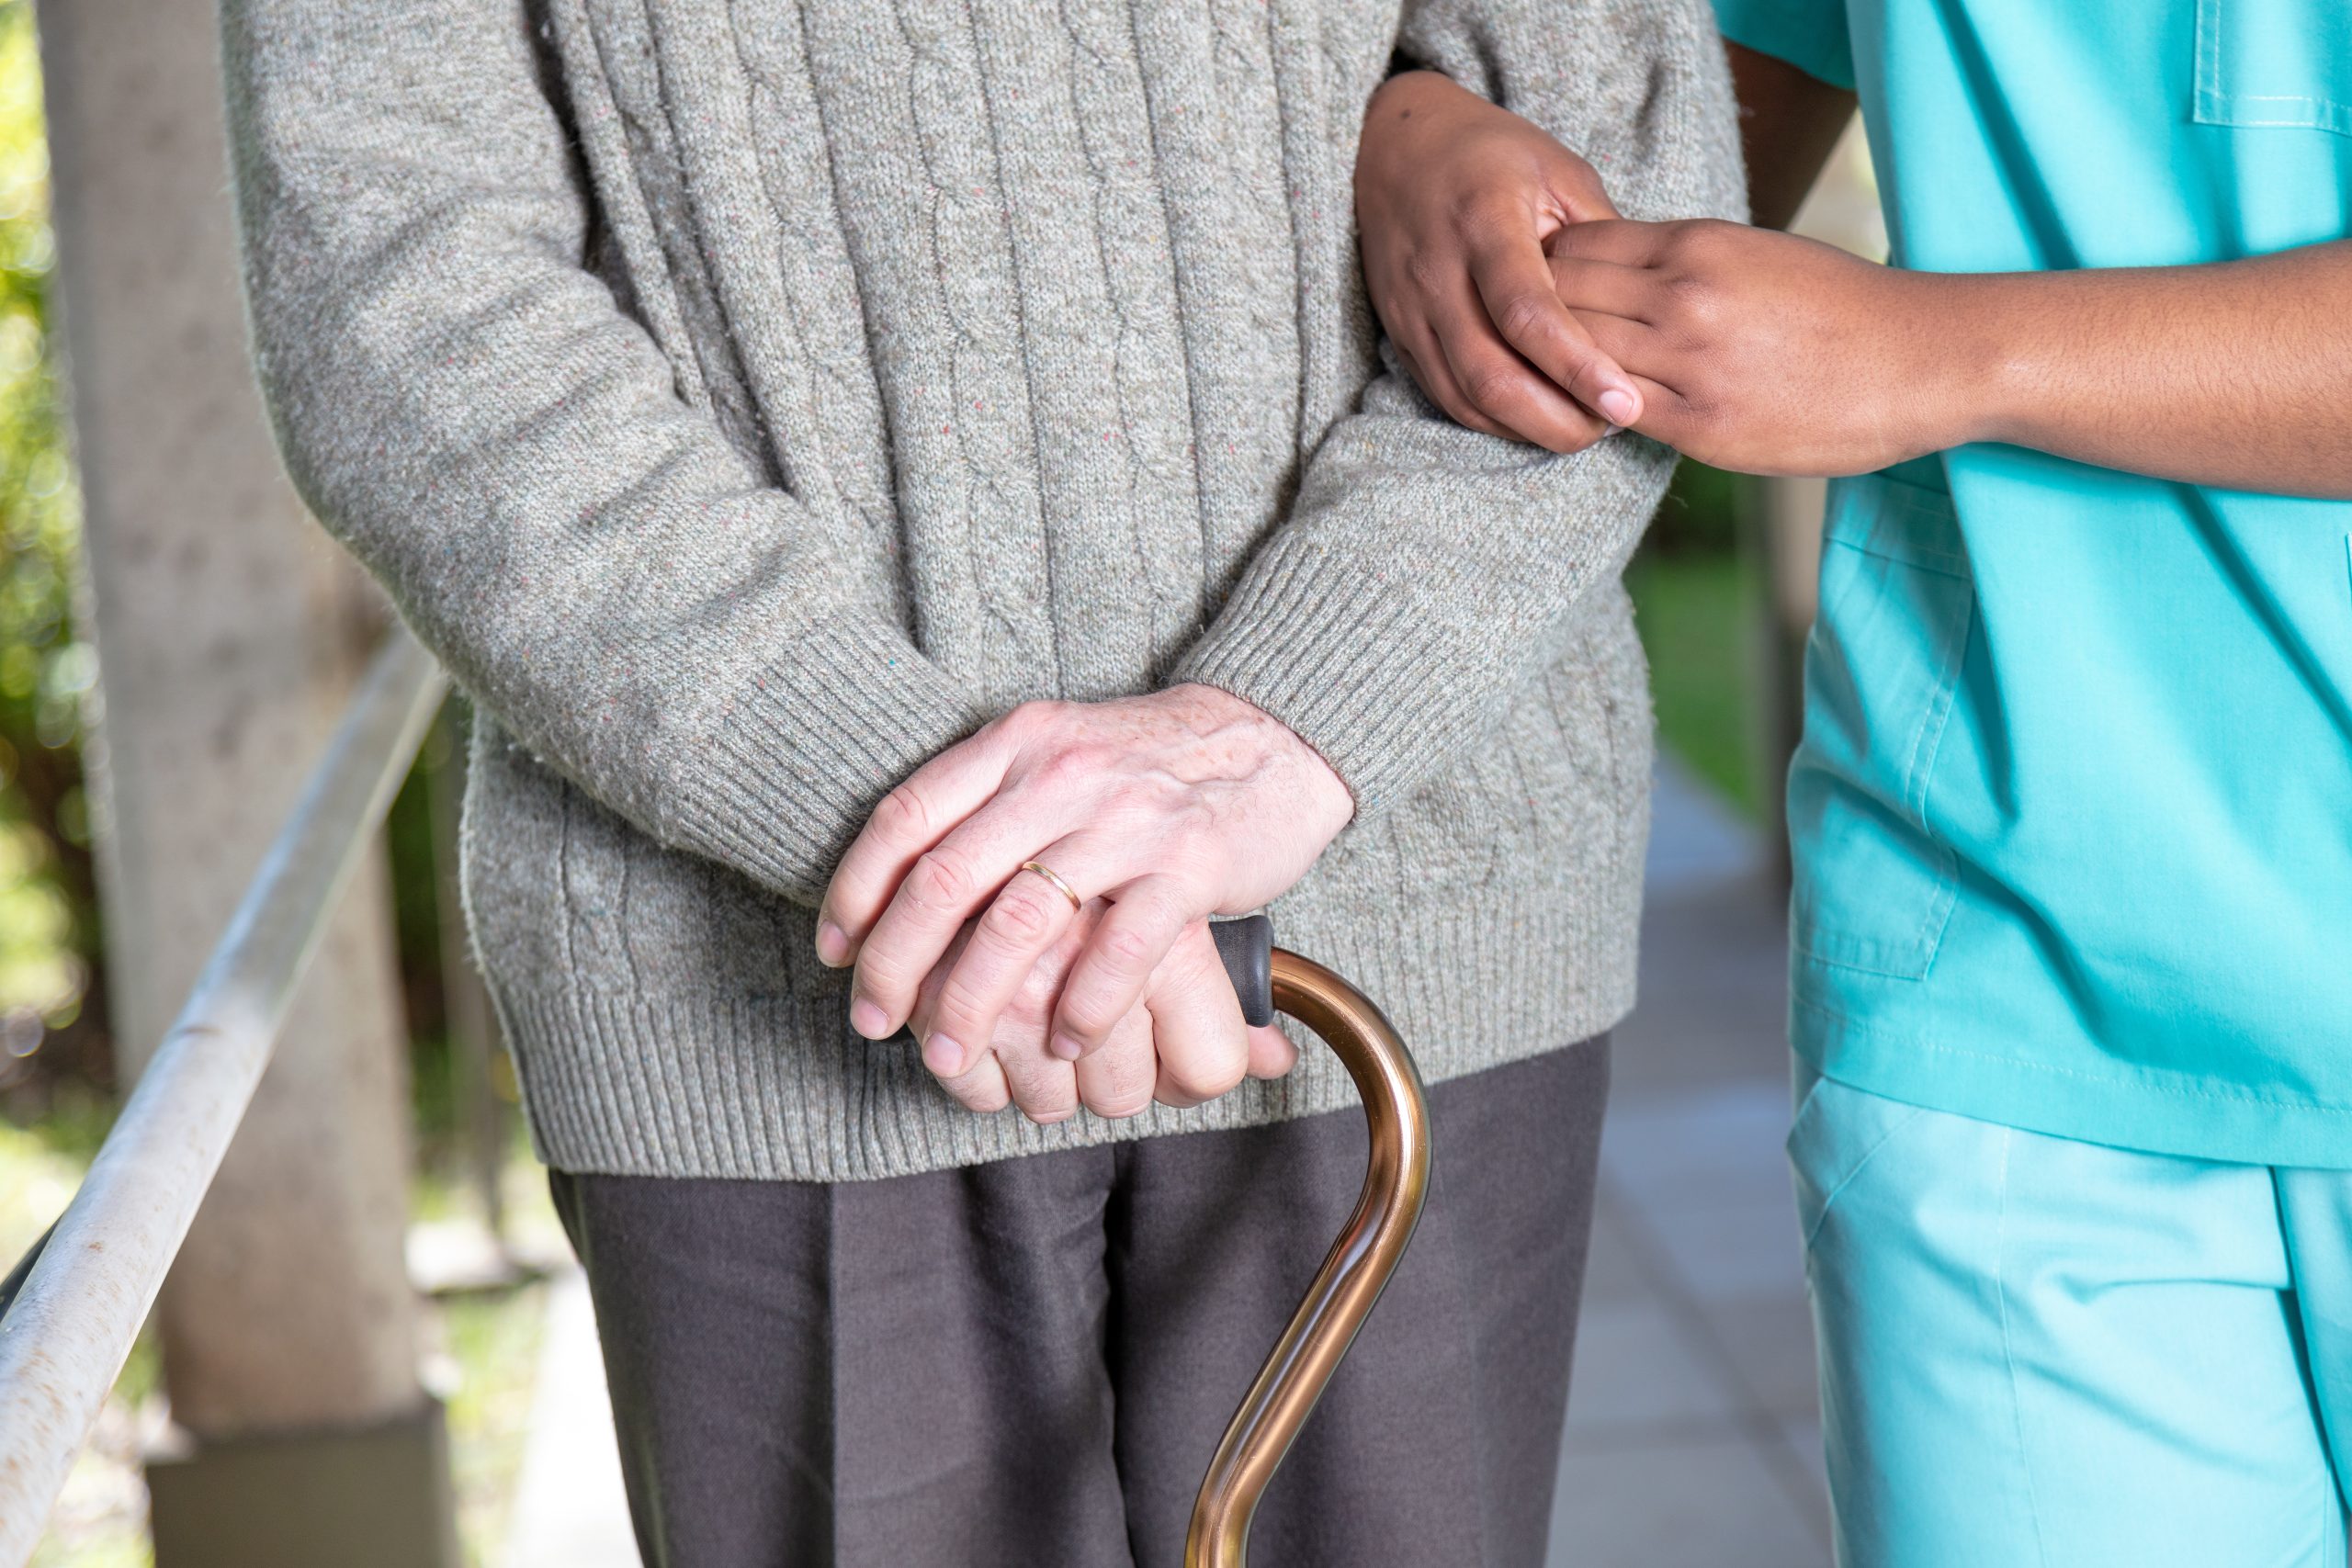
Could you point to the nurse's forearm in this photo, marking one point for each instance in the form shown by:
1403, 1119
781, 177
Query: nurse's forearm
2238, 375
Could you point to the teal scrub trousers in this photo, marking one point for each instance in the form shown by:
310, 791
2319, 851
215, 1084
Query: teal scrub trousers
2041, 1351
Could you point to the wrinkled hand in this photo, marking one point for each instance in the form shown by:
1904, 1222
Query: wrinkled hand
1189, 1001
1455, 201
1768, 353
1172, 806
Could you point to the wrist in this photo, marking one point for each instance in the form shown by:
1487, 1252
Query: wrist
1965, 379
1293, 767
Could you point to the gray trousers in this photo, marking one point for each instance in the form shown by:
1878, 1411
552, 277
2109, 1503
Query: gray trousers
1030, 1362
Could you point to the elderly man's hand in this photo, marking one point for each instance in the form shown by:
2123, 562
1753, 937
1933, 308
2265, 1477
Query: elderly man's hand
1173, 806
1186, 1042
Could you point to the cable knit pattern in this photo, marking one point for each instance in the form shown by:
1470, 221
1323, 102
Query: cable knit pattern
747, 397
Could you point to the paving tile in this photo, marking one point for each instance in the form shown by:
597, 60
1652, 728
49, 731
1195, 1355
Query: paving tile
1741, 1248
569, 1510
1613, 1270
1689, 1503
1695, 838
1637, 1370
1769, 1346
1698, 1143
1802, 1434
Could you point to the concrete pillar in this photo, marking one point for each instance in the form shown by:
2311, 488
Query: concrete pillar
229, 631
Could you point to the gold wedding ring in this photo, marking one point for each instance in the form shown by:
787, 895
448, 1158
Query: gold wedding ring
1049, 875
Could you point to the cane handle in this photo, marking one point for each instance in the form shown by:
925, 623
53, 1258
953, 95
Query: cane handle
1358, 1267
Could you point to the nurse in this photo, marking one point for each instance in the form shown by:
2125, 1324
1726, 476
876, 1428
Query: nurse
2072, 817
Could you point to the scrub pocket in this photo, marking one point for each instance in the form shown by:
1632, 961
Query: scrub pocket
1874, 885
2274, 63
1839, 1130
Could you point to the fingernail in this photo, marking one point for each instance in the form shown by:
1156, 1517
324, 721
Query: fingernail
1619, 405
832, 944
866, 1017
1069, 1050
943, 1056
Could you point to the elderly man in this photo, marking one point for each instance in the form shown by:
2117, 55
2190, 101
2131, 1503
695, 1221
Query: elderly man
913, 491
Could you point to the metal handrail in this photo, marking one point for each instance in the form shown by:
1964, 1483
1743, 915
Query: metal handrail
66, 1334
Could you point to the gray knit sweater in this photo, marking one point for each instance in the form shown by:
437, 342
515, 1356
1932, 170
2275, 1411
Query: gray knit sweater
746, 398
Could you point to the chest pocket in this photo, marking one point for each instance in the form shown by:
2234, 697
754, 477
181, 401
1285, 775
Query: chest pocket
2274, 63
1874, 884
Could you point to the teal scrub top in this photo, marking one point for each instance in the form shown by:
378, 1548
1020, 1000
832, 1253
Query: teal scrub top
2072, 817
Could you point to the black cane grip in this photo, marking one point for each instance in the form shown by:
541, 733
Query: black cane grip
1247, 945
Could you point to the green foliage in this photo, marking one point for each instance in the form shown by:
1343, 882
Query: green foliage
1696, 602
1699, 514
48, 909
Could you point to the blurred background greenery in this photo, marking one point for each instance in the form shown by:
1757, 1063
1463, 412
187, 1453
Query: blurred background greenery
1692, 585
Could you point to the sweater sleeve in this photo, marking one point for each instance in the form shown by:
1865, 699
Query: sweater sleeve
1427, 572
465, 405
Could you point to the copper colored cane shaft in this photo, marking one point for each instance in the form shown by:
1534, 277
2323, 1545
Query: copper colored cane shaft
1352, 1278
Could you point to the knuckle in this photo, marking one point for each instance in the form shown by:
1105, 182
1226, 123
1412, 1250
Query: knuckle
1124, 1088
1524, 316
1459, 411
1035, 1000
903, 813
1696, 298
979, 1090
958, 1009
1486, 223
1068, 767
1045, 1109
1211, 1075
1088, 1017
1580, 176
1491, 383
881, 973
1018, 918
1428, 274
941, 880
1693, 241
1127, 950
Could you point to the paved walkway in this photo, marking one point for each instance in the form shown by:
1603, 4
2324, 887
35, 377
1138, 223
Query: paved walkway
1692, 1437
1693, 1431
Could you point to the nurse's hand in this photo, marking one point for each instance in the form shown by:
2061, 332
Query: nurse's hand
1171, 808
1454, 199
1768, 353
1184, 1044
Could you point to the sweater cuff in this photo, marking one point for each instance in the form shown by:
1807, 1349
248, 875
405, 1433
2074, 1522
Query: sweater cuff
784, 775
1343, 657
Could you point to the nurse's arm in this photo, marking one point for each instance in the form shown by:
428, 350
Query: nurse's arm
1456, 200
1770, 354
2235, 374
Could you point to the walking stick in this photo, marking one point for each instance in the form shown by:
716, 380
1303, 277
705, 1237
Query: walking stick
1397, 1181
